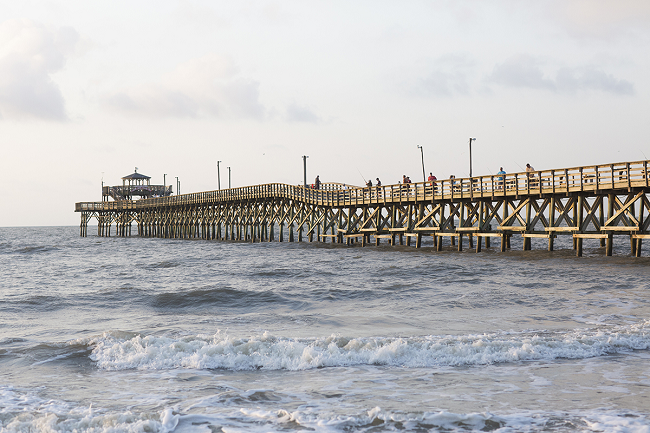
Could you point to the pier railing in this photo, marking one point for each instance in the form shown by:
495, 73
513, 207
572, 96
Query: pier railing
618, 176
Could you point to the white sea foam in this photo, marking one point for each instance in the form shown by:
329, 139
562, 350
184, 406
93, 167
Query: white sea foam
265, 351
26, 412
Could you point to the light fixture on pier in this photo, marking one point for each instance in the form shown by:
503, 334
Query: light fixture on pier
218, 176
424, 177
304, 163
470, 155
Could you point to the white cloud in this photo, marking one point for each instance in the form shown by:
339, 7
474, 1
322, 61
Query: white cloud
296, 113
524, 71
29, 54
521, 71
448, 77
209, 86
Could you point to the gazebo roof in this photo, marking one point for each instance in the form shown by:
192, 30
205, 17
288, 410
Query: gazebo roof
136, 175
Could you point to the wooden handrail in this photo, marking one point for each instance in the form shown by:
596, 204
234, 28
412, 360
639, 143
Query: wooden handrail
575, 179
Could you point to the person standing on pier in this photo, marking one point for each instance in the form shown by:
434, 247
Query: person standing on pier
432, 179
529, 170
501, 173
530, 173
317, 182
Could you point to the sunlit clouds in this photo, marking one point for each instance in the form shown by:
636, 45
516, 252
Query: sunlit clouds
30, 53
210, 86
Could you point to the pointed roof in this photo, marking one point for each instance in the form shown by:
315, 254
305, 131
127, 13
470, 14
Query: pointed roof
136, 175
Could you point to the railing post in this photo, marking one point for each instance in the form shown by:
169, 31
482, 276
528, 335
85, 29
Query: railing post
627, 167
553, 180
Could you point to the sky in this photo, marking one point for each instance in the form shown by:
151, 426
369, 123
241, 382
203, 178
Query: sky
91, 90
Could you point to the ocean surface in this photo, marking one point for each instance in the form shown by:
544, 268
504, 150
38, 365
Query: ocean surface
159, 335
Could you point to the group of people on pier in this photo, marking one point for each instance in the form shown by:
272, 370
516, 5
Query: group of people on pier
530, 173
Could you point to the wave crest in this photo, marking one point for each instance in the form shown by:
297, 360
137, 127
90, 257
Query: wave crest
220, 351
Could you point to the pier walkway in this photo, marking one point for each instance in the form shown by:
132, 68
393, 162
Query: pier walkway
591, 202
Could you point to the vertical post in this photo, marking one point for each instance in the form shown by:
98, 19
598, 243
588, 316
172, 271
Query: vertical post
551, 222
601, 218
580, 204
460, 225
424, 176
304, 164
632, 240
408, 224
470, 157
218, 176
527, 240
442, 223
575, 221
229, 185
638, 241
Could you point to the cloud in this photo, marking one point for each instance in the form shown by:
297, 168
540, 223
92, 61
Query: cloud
296, 113
590, 78
448, 77
29, 54
521, 71
209, 86
524, 71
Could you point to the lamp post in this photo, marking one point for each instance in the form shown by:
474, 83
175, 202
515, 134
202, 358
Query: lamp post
470, 155
424, 176
229, 178
304, 164
165, 185
218, 176
178, 186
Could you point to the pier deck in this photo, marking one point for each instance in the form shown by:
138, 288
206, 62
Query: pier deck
591, 202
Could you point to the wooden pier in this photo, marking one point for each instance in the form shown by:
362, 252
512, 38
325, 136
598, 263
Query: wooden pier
595, 202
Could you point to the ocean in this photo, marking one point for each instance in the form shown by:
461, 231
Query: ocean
136, 334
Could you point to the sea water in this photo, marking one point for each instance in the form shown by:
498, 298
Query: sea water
136, 334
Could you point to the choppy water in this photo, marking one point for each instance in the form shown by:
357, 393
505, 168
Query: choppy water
128, 334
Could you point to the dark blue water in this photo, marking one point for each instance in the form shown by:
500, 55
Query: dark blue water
130, 334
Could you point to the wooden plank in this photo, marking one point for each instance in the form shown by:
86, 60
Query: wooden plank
641, 236
538, 235
561, 229
512, 228
620, 228
590, 235
467, 229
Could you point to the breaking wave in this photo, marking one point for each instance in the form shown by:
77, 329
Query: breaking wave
115, 352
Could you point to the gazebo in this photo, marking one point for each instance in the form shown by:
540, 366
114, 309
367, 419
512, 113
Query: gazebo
136, 184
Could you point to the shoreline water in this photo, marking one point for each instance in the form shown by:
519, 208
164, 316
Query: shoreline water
146, 334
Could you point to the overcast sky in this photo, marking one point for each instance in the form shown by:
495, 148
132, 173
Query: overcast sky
90, 90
